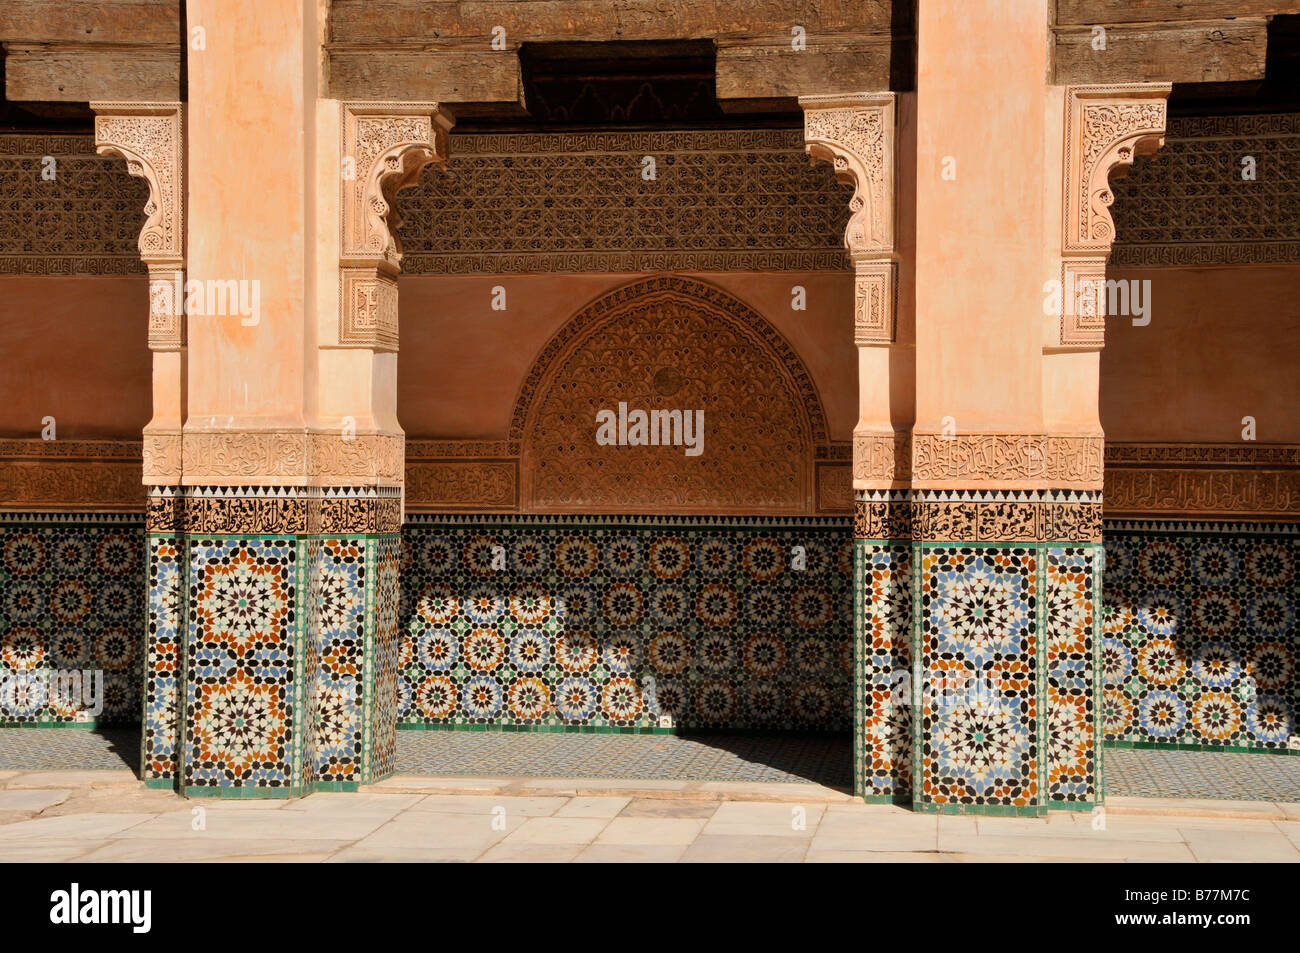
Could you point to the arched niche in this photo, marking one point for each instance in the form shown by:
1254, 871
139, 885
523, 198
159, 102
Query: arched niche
669, 343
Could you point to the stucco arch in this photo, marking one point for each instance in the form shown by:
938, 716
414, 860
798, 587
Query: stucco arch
669, 342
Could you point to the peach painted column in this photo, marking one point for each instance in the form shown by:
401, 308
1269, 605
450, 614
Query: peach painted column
1005, 511
290, 503
859, 135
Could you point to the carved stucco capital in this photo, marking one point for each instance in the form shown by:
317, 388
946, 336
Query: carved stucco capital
151, 138
1106, 129
384, 147
855, 134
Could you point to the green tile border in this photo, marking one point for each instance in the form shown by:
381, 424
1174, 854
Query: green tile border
245, 793
1225, 749
1078, 807
989, 810
859, 768
565, 729
370, 606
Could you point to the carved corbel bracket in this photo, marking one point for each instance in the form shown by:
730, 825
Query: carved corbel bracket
151, 138
1106, 129
385, 146
855, 134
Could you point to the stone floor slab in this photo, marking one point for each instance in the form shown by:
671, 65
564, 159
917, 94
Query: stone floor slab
733, 848
593, 807
651, 830
488, 804
631, 854
660, 807
209, 849
32, 799
1241, 846
512, 852
91, 827
558, 830
901, 832
749, 819
1045, 845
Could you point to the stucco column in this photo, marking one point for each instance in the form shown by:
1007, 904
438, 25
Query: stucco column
274, 543
860, 136
1006, 507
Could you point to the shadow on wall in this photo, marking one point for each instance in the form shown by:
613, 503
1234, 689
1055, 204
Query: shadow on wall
1200, 637
626, 624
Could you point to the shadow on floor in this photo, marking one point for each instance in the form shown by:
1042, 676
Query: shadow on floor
54, 749
818, 758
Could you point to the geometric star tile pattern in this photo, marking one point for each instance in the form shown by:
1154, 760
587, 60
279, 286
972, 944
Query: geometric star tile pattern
1200, 636
616, 623
71, 613
979, 650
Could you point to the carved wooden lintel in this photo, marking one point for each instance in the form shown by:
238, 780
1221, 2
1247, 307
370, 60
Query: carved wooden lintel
384, 148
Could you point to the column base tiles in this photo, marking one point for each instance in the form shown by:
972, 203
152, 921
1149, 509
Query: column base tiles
975, 650
271, 644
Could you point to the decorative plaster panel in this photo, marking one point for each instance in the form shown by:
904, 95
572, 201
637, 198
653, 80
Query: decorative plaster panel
1007, 458
855, 134
151, 138
721, 200
384, 146
1192, 206
669, 343
1107, 127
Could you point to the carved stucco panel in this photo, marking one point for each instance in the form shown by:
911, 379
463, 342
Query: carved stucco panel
151, 138
1106, 129
670, 343
384, 147
1007, 459
855, 134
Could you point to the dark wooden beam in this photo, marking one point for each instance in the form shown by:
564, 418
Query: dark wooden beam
380, 21
114, 22
768, 68
1107, 12
442, 76
85, 74
1213, 51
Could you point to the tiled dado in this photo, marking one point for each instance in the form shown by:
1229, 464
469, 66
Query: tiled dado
70, 601
626, 624
975, 642
270, 656
1200, 635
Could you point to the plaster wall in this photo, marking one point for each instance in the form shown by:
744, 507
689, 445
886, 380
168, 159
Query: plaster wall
74, 349
1223, 343
461, 363
247, 213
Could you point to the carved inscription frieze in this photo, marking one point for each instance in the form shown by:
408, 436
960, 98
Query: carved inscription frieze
980, 517
964, 460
